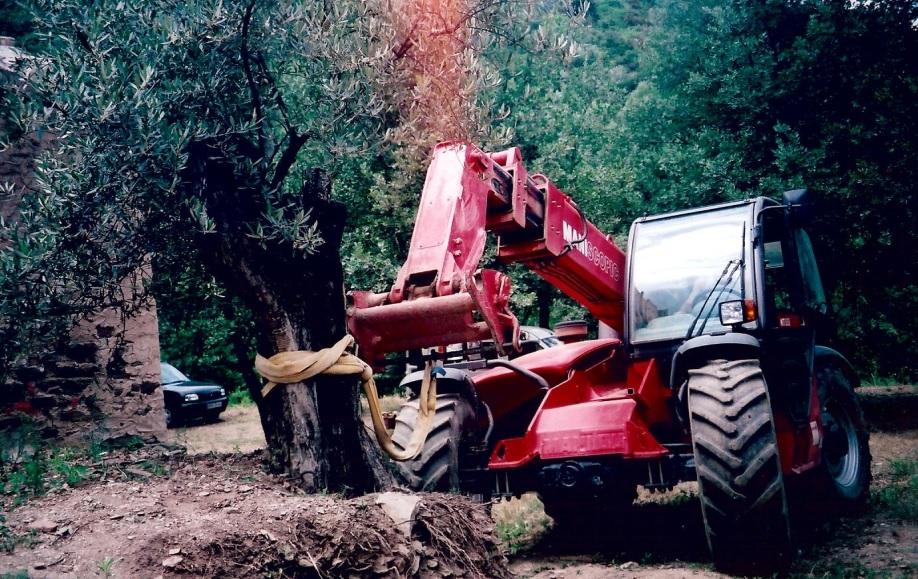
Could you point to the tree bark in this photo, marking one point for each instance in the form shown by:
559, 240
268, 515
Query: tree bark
313, 429
544, 298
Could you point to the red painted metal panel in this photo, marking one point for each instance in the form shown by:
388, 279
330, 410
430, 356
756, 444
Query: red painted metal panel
503, 390
590, 413
421, 322
651, 391
800, 445
438, 297
449, 234
588, 429
574, 256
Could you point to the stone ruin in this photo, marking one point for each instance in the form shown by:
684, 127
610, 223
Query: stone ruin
102, 382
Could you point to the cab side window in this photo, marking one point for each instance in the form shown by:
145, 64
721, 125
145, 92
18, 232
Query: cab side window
814, 296
777, 282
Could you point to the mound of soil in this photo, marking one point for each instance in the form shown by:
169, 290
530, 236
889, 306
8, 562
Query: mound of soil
225, 517
890, 408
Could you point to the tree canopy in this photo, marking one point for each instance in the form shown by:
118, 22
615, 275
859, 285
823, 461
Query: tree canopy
206, 137
670, 104
657, 106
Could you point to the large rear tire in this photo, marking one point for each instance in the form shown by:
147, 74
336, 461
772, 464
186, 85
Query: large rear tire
740, 484
436, 468
843, 477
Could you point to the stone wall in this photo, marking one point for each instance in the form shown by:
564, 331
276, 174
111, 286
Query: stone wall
100, 382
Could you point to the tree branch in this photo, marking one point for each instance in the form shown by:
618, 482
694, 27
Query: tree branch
250, 80
275, 92
294, 144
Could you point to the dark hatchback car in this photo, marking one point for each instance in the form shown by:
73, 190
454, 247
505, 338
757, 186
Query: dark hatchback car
187, 399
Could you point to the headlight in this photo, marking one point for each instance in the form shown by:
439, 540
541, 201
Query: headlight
191, 397
731, 313
222, 392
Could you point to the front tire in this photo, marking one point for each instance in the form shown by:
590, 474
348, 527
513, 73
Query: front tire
740, 483
436, 468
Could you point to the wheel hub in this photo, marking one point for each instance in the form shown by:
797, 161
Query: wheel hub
840, 449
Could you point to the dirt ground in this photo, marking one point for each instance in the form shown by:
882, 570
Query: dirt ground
223, 516
663, 536
214, 512
238, 430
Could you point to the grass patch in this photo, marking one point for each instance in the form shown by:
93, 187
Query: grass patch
154, 467
391, 403
31, 466
877, 380
900, 496
33, 471
23, 463
240, 397
105, 566
132, 442
9, 540
64, 467
520, 523
7, 537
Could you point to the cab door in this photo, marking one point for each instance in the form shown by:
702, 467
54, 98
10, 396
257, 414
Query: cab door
792, 301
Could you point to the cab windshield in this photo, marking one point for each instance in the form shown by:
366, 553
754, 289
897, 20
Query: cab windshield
675, 263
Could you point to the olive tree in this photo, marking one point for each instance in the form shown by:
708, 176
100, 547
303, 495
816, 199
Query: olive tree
210, 132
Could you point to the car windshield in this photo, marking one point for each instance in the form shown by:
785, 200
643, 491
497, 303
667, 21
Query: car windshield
674, 266
543, 335
171, 374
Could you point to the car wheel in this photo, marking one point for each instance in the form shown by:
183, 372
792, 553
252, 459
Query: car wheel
171, 419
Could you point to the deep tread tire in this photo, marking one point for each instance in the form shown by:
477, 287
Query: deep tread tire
437, 467
843, 477
740, 484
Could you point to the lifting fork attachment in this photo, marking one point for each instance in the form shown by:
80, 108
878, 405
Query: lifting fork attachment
440, 297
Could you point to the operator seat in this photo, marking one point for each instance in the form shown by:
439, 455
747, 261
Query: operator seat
503, 389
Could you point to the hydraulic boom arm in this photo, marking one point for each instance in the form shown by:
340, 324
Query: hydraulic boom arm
440, 297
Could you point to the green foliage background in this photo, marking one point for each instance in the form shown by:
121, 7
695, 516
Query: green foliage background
662, 105
675, 104
666, 105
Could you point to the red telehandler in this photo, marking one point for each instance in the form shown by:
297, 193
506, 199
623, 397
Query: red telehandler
715, 373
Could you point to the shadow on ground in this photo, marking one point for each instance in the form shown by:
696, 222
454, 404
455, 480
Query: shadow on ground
671, 535
648, 533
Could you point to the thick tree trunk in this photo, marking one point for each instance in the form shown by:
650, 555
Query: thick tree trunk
313, 429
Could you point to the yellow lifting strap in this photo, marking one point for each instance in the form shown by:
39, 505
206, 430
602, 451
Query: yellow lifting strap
293, 367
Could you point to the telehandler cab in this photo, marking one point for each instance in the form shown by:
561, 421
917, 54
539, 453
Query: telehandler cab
716, 373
